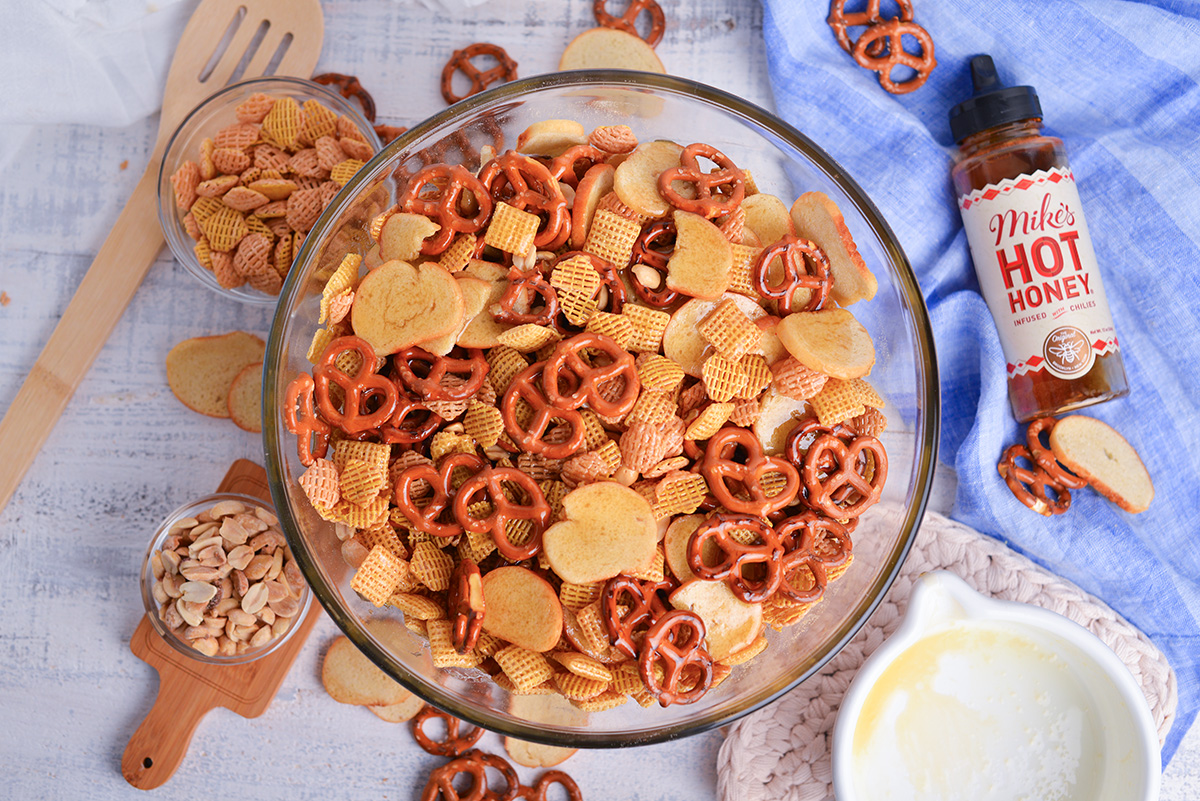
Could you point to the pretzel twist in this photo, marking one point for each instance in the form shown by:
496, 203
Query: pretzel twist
525, 183
721, 466
642, 607
718, 192
463, 61
437, 191
426, 518
527, 387
590, 378
1030, 485
427, 382
753, 571
860, 466
492, 481
805, 266
676, 643
627, 22
360, 391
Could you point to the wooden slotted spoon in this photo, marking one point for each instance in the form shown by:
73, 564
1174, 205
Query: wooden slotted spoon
219, 38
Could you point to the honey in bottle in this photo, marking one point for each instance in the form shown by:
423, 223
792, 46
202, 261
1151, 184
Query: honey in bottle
1032, 252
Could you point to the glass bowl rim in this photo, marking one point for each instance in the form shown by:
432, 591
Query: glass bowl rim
757, 117
147, 581
173, 233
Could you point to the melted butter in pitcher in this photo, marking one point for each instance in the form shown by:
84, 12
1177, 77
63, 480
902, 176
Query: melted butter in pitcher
981, 712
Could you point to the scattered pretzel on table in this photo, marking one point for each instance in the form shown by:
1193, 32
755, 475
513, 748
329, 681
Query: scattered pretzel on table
445, 782
840, 20
894, 55
880, 47
628, 21
1030, 484
463, 61
350, 88
455, 744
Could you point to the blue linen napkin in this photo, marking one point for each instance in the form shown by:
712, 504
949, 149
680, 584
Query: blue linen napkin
1118, 83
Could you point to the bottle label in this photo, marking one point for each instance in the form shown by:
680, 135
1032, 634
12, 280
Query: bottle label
1038, 273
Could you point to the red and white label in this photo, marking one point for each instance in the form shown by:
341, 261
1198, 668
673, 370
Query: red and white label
1038, 273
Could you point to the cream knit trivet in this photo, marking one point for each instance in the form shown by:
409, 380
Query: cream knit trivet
781, 752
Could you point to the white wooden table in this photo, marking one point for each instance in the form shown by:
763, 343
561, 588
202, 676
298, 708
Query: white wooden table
126, 451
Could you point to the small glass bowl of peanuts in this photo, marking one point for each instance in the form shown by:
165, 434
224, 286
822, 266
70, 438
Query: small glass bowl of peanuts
219, 580
246, 175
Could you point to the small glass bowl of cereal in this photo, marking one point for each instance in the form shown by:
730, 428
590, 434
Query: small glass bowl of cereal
246, 174
219, 580
536, 393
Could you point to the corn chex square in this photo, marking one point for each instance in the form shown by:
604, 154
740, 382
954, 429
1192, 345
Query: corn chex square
432, 565
483, 423
576, 306
343, 278
709, 421
578, 688
382, 533
528, 337
360, 516
459, 254
361, 482
866, 393
224, 227
378, 576
609, 699
723, 378
577, 596
511, 229
576, 274
837, 402
375, 454
616, 327
729, 330
583, 665
421, 607
648, 325
741, 274
658, 372
526, 669
476, 546
653, 406
758, 375
504, 363
441, 646
611, 237
321, 484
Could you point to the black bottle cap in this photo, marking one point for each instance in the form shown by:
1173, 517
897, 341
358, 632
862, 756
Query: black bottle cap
992, 104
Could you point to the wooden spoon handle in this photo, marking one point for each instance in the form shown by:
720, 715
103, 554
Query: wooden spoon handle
159, 745
98, 303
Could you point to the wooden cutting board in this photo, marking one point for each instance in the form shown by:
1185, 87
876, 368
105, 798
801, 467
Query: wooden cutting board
189, 688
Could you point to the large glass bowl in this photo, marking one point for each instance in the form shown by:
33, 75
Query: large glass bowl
784, 162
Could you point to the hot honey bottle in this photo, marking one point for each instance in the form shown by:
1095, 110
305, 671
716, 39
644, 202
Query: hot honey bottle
1032, 252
